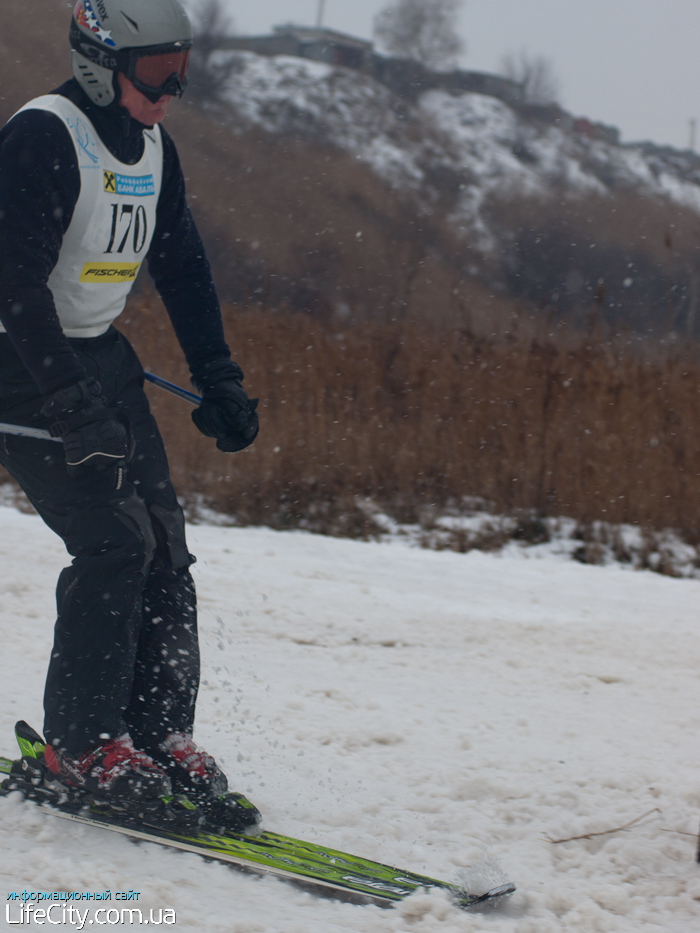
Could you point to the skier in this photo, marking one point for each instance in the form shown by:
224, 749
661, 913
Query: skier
90, 185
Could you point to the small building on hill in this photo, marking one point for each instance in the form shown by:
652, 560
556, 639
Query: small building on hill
319, 45
404, 76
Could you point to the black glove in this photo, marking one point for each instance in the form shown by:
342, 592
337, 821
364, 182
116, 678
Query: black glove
225, 411
94, 437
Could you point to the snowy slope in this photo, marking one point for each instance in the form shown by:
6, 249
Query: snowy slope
419, 707
483, 143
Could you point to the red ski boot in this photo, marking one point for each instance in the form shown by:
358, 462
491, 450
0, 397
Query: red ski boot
114, 780
195, 774
114, 772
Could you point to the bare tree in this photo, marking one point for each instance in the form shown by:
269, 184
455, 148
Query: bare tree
208, 73
424, 30
535, 74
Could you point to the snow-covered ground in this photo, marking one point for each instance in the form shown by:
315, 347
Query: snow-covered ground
430, 709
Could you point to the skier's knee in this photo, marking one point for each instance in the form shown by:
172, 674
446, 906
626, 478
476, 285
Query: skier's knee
134, 516
119, 535
169, 528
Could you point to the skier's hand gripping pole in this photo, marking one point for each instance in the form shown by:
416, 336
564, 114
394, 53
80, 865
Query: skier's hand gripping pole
231, 434
225, 411
94, 437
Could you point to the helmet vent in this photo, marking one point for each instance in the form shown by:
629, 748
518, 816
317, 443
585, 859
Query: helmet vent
131, 24
88, 75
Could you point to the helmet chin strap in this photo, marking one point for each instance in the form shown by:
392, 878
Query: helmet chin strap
115, 86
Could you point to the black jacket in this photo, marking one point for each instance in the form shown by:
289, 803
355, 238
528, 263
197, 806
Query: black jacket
39, 188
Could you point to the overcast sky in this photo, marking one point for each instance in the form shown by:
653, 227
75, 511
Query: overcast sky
632, 63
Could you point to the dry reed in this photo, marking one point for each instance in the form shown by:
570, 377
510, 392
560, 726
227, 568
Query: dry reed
417, 419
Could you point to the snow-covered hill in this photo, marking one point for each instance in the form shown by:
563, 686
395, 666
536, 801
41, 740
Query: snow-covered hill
466, 145
433, 710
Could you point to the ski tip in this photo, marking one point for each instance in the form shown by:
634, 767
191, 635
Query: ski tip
466, 900
503, 890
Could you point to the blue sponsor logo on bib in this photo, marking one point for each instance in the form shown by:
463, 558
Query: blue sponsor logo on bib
138, 186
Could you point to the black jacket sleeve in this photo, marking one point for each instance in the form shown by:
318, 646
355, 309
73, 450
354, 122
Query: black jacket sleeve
39, 188
180, 269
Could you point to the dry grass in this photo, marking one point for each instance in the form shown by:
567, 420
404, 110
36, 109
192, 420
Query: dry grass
416, 419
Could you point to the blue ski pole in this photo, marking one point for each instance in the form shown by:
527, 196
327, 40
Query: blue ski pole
172, 388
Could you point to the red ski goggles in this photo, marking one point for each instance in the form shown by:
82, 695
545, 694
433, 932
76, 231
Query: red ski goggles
157, 74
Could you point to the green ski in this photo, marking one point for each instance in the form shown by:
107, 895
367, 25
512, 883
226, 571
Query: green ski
309, 864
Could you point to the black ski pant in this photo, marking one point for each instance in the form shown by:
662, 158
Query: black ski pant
125, 655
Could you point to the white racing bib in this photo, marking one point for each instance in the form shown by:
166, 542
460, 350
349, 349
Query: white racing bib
112, 225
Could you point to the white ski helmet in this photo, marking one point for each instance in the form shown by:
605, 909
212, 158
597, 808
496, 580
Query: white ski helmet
146, 40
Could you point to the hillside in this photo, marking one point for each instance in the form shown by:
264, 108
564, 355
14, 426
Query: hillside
477, 143
529, 200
